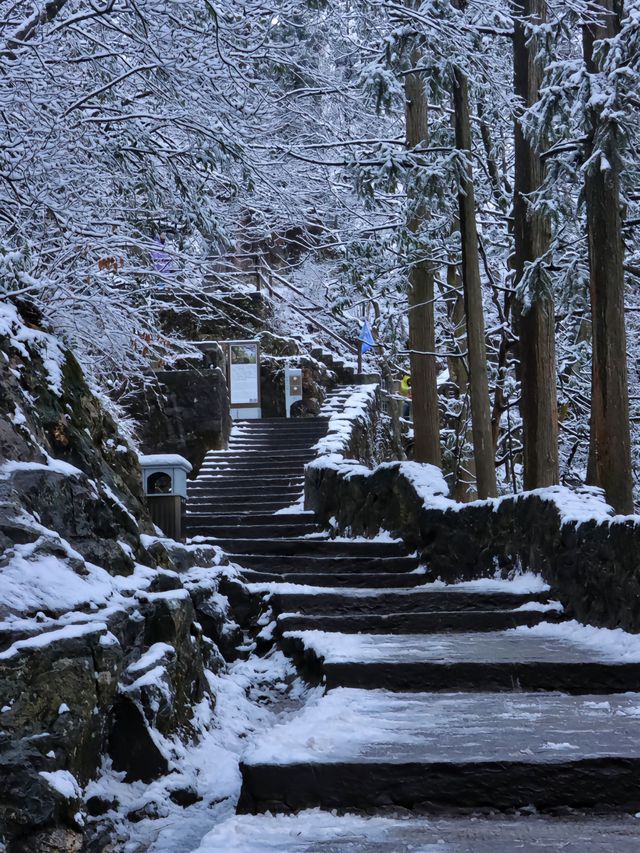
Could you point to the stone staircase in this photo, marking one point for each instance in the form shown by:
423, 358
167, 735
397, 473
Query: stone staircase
432, 702
239, 490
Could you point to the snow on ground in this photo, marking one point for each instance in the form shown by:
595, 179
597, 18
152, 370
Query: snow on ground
382, 536
250, 697
63, 782
605, 643
31, 581
520, 583
297, 508
574, 645
315, 830
540, 607
348, 725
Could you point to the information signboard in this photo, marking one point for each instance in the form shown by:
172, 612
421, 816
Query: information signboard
243, 378
244, 374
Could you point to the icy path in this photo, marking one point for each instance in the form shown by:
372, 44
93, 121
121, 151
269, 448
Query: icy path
323, 832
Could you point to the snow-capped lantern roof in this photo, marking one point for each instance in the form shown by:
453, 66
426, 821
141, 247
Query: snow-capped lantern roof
165, 474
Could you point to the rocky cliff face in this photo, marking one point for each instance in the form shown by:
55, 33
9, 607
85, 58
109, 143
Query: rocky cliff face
108, 633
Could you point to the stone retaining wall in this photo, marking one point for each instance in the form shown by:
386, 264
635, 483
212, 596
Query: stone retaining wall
592, 563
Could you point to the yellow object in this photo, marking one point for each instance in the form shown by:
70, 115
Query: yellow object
405, 385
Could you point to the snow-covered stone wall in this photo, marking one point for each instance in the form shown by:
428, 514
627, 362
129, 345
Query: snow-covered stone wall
588, 555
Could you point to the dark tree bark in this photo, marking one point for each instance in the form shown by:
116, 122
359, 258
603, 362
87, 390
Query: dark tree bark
422, 337
535, 322
464, 473
483, 448
45, 15
610, 460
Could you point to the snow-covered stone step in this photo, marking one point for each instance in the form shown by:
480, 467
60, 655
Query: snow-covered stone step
226, 532
290, 442
428, 597
289, 578
316, 830
259, 423
232, 476
545, 657
311, 549
412, 622
202, 486
302, 517
272, 503
257, 453
255, 468
363, 749
332, 565
215, 499
230, 489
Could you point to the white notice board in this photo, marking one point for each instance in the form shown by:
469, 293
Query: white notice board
244, 374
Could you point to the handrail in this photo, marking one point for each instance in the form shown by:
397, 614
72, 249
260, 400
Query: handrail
297, 290
312, 320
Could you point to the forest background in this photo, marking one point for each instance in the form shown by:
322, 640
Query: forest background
464, 175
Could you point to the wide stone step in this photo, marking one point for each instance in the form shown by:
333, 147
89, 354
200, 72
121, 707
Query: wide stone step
214, 504
345, 580
258, 456
230, 487
319, 548
263, 518
429, 598
359, 749
298, 476
266, 492
275, 443
246, 531
257, 463
298, 422
259, 460
280, 431
285, 486
412, 623
327, 832
500, 660
271, 504
247, 476
229, 469
202, 486
335, 566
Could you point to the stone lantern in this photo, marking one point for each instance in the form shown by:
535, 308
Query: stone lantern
164, 476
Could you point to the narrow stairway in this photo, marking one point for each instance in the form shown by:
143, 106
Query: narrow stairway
239, 491
468, 699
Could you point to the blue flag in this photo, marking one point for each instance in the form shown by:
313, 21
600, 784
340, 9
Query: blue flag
366, 336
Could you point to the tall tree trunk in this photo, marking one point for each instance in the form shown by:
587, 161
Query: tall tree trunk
478, 383
610, 439
422, 337
464, 472
535, 322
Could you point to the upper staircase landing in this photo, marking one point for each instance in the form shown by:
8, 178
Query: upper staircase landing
261, 473
238, 490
